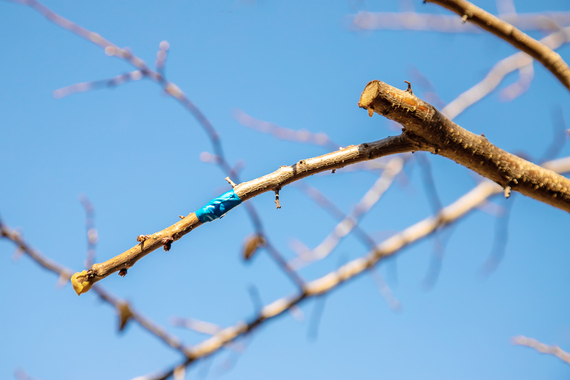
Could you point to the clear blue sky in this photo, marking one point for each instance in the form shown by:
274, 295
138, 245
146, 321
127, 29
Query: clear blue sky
135, 153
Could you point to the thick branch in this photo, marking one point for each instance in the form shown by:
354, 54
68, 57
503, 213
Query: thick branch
550, 59
246, 190
423, 123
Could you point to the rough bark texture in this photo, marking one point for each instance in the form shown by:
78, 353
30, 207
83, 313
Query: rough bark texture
82, 281
425, 124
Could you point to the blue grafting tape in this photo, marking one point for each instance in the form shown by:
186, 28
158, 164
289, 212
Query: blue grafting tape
217, 207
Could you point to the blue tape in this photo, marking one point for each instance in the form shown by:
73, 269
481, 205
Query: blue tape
217, 207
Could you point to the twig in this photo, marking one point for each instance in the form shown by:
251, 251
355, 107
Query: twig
542, 348
436, 205
65, 275
302, 136
560, 135
349, 222
368, 242
97, 84
550, 59
91, 231
449, 24
246, 190
500, 240
498, 72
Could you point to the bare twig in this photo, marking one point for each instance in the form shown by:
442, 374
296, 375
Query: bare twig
542, 348
91, 231
349, 222
500, 240
449, 24
65, 275
436, 205
368, 242
560, 135
246, 190
550, 59
498, 72
302, 136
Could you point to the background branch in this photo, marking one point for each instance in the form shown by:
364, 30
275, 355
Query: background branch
550, 59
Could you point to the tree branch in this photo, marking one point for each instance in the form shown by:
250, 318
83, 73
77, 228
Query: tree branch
542, 348
550, 59
423, 123
285, 175
364, 20
120, 305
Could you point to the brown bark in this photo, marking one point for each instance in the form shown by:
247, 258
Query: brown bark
82, 281
426, 125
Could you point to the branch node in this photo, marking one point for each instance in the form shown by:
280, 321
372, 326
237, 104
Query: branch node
507, 192
409, 89
142, 238
167, 241
181, 216
464, 18
232, 184
278, 205
333, 171
123, 272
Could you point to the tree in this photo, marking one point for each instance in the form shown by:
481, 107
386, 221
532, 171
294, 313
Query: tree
136, 156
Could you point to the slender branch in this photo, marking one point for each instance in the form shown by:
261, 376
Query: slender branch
349, 222
65, 275
542, 348
423, 123
246, 190
448, 24
498, 72
550, 59
302, 136
366, 239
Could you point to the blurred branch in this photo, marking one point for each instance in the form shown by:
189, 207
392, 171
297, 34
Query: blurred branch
500, 241
91, 231
423, 123
349, 222
498, 72
302, 136
366, 239
436, 205
559, 136
449, 24
550, 59
542, 348
97, 84
65, 275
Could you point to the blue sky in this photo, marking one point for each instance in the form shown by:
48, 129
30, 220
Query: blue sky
135, 153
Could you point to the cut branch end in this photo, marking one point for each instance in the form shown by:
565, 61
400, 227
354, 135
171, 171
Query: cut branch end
81, 282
